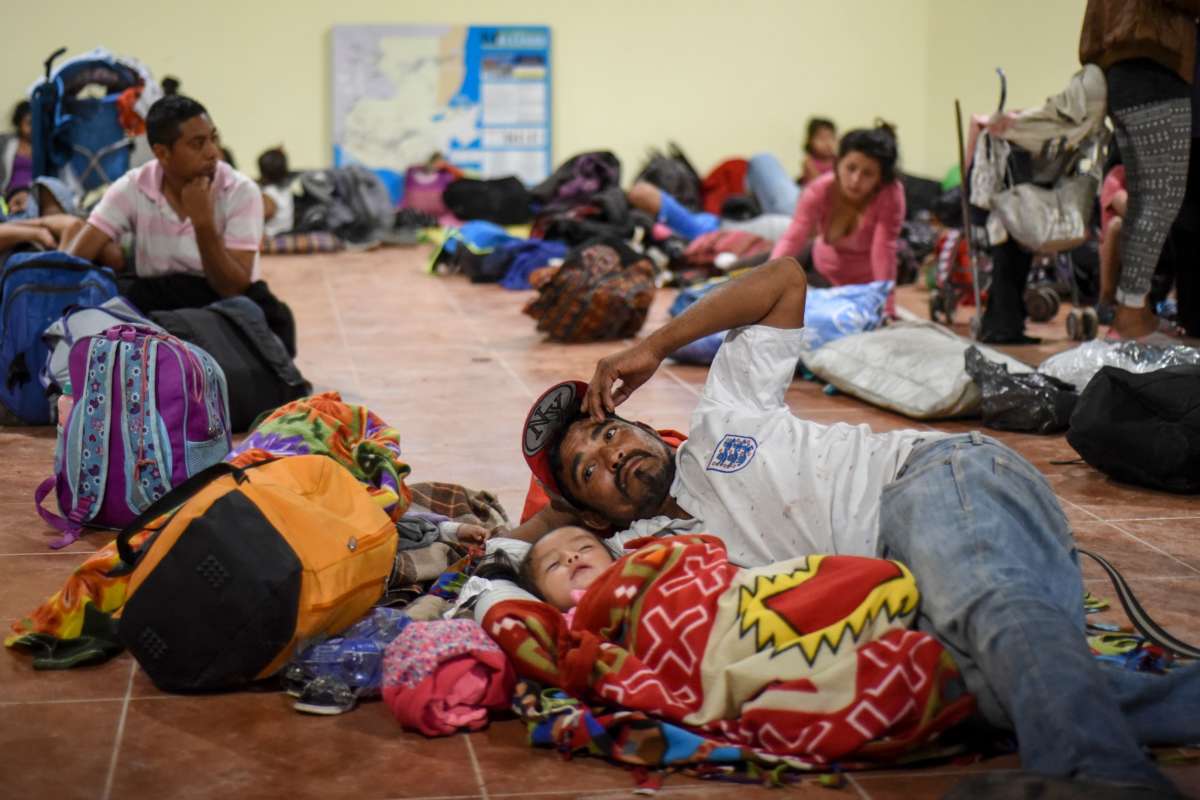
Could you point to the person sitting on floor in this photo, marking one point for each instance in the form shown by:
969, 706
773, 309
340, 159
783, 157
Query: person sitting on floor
978, 526
820, 150
196, 223
852, 216
279, 204
16, 151
41, 215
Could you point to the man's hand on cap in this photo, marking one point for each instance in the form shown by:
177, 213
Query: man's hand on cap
632, 366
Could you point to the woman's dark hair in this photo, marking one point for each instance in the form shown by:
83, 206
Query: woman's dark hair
20, 111
815, 126
273, 166
878, 143
167, 114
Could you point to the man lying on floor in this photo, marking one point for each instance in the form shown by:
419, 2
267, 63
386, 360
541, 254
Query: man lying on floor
196, 222
978, 526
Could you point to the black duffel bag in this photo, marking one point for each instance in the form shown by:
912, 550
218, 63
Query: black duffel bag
504, 201
258, 370
1142, 428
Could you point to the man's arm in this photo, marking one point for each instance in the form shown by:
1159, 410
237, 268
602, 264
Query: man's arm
772, 295
93, 244
15, 233
227, 271
548, 519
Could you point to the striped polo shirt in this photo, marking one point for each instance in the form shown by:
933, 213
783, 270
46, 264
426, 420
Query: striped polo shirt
164, 244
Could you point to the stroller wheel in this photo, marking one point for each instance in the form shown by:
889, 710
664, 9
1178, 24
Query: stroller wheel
1041, 303
1075, 325
1091, 323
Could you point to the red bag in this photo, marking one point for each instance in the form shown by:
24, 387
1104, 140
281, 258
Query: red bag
726, 180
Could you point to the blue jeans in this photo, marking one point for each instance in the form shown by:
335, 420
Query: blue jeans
768, 181
995, 562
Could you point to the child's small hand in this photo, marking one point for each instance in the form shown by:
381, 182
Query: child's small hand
473, 534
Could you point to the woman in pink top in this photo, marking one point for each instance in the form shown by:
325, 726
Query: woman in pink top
852, 215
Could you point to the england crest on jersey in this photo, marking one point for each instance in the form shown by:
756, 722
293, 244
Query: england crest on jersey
732, 453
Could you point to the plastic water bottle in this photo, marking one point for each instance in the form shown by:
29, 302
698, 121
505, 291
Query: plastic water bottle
329, 676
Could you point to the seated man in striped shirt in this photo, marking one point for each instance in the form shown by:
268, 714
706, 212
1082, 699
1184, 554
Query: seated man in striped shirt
196, 223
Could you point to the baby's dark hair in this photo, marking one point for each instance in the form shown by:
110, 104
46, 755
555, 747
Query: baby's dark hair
815, 126
500, 566
878, 143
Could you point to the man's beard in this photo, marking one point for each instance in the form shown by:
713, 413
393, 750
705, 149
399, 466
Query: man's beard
656, 482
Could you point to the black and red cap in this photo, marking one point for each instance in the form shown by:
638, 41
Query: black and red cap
548, 420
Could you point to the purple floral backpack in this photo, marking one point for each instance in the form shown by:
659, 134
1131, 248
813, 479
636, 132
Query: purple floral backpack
149, 412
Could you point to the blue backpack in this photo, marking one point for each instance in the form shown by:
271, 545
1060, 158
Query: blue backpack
35, 289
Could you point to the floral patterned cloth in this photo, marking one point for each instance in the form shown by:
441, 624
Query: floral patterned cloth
354, 436
443, 676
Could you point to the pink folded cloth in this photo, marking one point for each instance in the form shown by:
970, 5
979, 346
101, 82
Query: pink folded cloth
443, 676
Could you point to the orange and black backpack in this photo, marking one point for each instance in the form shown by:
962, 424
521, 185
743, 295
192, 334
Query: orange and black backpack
244, 564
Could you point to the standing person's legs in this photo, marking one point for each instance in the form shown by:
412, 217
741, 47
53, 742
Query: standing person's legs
770, 184
1004, 315
1151, 109
1000, 586
1185, 240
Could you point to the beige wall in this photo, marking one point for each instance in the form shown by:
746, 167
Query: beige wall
721, 78
1035, 41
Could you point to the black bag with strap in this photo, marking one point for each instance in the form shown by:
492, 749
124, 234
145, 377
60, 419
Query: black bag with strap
258, 370
1142, 428
504, 201
674, 174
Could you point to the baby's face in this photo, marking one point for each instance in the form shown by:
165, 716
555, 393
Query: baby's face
567, 560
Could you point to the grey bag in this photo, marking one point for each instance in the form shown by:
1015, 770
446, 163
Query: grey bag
1048, 220
76, 323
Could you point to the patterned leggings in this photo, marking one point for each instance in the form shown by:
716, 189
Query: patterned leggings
1151, 109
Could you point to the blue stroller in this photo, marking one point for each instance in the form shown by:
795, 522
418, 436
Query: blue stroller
78, 136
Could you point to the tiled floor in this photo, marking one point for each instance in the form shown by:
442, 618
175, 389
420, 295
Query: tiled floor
454, 366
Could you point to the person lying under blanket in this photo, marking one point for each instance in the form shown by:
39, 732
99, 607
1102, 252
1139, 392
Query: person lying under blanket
977, 525
810, 658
